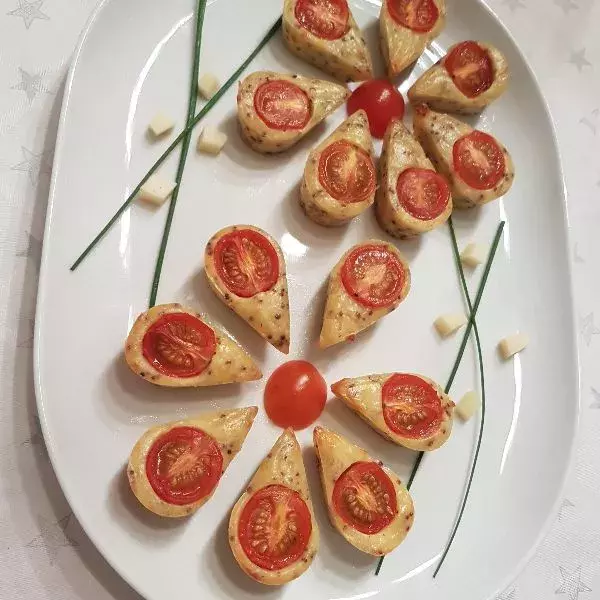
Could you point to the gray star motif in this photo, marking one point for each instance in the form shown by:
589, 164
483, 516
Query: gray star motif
53, 537
29, 12
33, 250
566, 503
37, 439
513, 5
596, 402
579, 60
567, 5
508, 595
588, 328
33, 164
32, 85
589, 124
572, 584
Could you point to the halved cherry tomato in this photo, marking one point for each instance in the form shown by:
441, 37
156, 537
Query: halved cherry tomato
179, 345
470, 67
282, 105
246, 262
275, 527
418, 15
373, 276
478, 160
411, 406
422, 193
365, 498
295, 394
184, 465
381, 101
346, 172
327, 19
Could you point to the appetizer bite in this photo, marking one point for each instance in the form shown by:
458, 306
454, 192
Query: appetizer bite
477, 167
173, 346
246, 270
410, 410
325, 34
276, 111
175, 468
412, 198
272, 529
367, 502
466, 80
367, 283
405, 29
339, 177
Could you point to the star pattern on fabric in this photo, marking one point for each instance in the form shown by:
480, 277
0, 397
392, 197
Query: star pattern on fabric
571, 583
29, 12
589, 124
25, 336
33, 250
514, 5
567, 5
33, 164
566, 504
508, 595
36, 440
596, 395
31, 84
53, 537
579, 60
588, 328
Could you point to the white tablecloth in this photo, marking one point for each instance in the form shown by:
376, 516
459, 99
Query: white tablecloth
43, 551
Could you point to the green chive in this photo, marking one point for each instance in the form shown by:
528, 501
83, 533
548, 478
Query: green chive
205, 109
481, 380
472, 324
192, 100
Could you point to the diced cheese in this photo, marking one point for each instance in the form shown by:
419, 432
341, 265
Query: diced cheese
156, 190
473, 255
208, 84
160, 125
512, 344
448, 324
211, 141
468, 405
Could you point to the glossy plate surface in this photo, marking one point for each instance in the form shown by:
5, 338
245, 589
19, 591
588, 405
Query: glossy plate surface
135, 61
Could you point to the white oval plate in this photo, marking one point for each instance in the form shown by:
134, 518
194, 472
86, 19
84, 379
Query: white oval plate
134, 60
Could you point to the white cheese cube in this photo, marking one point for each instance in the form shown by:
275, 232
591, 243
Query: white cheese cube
160, 125
448, 324
211, 141
208, 84
512, 344
473, 255
156, 190
468, 405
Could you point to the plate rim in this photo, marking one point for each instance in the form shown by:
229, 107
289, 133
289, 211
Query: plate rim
566, 227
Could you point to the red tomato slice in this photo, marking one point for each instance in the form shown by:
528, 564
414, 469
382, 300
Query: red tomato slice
184, 465
295, 394
381, 101
470, 67
275, 527
327, 19
422, 193
418, 15
247, 262
411, 406
373, 276
478, 160
179, 345
365, 498
346, 172
282, 105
